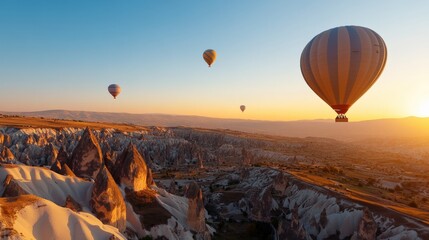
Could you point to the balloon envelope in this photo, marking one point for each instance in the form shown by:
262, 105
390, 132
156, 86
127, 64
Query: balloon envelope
209, 56
114, 90
342, 63
242, 108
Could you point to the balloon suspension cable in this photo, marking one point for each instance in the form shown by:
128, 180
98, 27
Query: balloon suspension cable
341, 117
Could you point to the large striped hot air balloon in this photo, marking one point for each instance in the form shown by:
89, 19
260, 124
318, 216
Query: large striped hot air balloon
341, 64
209, 56
114, 90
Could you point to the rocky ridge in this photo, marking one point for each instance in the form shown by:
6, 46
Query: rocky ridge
283, 205
302, 210
106, 200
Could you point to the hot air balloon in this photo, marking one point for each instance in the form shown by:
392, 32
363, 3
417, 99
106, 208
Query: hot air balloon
341, 64
114, 90
242, 108
209, 56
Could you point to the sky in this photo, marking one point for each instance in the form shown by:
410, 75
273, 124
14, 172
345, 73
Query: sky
64, 54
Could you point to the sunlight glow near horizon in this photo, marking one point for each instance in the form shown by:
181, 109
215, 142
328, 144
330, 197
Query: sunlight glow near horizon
423, 110
63, 55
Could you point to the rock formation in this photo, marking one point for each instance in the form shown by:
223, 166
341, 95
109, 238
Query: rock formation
62, 168
11, 188
62, 155
107, 202
72, 204
259, 204
109, 161
246, 157
323, 220
149, 178
66, 171
6, 155
50, 154
131, 171
1, 138
56, 167
296, 228
196, 211
280, 184
282, 229
87, 158
172, 188
252, 195
367, 226
29, 140
7, 140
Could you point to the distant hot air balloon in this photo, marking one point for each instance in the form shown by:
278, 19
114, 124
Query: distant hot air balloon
114, 89
242, 108
209, 56
341, 64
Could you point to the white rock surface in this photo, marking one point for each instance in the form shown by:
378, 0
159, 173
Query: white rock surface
43, 219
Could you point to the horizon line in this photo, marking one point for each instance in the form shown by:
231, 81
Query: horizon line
199, 116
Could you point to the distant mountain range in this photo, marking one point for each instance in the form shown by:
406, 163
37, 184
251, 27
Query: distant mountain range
409, 127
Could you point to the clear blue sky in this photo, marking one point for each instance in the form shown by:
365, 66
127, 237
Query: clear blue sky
64, 54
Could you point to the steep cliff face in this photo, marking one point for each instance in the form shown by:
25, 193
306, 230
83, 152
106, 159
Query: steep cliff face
87, 158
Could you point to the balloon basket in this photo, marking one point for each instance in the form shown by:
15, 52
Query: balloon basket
341, 118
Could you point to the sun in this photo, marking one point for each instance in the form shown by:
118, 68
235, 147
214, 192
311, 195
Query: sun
423, 110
